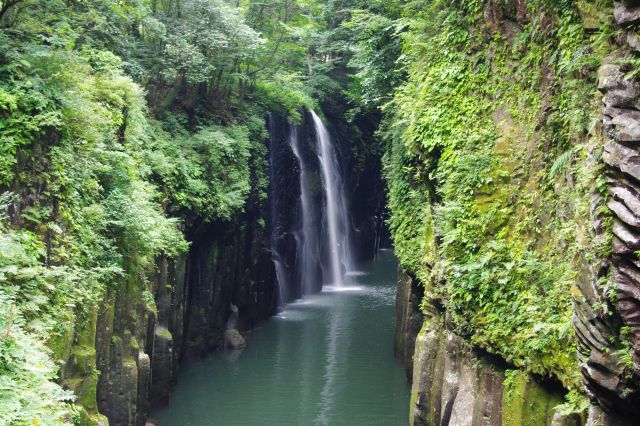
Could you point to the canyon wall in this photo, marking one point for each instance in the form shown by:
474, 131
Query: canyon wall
126, 360
460, 375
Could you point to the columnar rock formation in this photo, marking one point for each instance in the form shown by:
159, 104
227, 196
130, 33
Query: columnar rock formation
454, 384
607, 318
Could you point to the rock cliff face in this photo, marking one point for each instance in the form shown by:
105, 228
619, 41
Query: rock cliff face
409, 319
610, 337
138, 338
453, 385
456, 384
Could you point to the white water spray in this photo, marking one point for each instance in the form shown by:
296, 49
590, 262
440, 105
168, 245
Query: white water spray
337, 218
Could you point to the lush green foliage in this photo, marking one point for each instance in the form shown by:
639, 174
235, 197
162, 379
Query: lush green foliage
205, 172
99, 176
489, 173
122, 123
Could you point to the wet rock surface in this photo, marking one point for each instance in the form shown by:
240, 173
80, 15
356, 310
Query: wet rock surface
233, 339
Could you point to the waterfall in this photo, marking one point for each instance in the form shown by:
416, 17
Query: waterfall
336, 215
308, 236
308, 219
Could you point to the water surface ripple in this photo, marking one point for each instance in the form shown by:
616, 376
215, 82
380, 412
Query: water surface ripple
325, 360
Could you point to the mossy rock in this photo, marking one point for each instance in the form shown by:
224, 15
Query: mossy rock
82, 361
87, 419
85, 389
60, 344
525, 402
163, 333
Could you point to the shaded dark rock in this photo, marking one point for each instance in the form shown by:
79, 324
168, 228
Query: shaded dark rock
628, 302
626, 97
144, 382
598, 315
409, 319
161, 367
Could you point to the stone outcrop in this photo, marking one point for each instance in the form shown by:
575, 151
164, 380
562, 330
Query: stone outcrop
454, 385
607, 302
142, 332
124, 359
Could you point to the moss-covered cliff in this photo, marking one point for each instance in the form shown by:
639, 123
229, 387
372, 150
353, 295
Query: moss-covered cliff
512, 205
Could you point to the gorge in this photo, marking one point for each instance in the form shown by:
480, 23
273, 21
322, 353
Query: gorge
322, 212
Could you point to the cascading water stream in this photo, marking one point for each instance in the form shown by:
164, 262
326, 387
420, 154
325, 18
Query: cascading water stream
336, 215
299, 265
308, 241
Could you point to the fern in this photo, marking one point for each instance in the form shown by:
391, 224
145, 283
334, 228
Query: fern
559, 164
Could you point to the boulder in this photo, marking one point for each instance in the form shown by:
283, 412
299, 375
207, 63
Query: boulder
233, 339
626, 124
626, 13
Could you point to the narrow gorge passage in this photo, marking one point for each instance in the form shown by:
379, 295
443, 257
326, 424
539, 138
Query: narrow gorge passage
326, 359
194, 194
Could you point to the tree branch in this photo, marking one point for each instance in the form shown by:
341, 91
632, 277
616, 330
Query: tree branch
277, 46
6, 5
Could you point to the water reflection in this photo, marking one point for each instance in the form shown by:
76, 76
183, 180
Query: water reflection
326, 360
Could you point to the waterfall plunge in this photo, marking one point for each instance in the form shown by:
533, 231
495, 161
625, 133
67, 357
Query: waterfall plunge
336, 215
319, 229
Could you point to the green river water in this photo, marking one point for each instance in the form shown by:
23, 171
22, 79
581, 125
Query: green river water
325, 360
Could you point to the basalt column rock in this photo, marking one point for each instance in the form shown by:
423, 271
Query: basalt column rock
453, 385
284, 194
228, 264
607, 315
409, 319
134, 347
